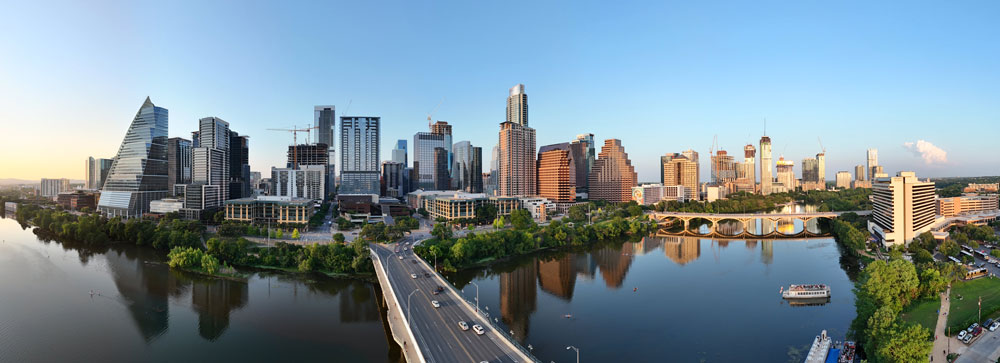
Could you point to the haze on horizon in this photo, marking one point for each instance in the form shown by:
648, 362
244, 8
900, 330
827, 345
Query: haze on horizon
917, 80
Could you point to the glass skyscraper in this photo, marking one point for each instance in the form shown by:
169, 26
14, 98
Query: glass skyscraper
139, 172
359, 155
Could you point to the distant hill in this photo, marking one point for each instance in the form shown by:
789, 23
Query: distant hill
13, 181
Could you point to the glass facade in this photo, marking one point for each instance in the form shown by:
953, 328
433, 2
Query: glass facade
139, 172
359, 155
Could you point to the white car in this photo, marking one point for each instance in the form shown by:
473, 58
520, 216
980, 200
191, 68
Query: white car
961, 335
478, 329
463, 325
400, 257
435, 303
995, 325
413, 276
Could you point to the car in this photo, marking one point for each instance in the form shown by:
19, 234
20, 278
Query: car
987, 323
478, 329
400, 257
435, 303
427, 274
413, 276
967, 339
961, 335
439, 289
995, 325
463, 325
435, 292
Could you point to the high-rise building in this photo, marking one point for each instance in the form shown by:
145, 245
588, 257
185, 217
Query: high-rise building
843, 180
90, 174
178, 162
578, 156
786, 173
467, 168
557, 173
359, 152
810, 170
859, 172
723, 168
306, 181
516, 174
765, 165
239, 166
313, 154
392, 179
821, 161
750, 158
902, 208
475, 171
517, 106
210, 163
679, 170
613, 175
491, 179
587, 147
442, 179
746, 171
399, 153
325, 120
693, 156
424, 158
872, 163
96, 172
52, 187
139, 172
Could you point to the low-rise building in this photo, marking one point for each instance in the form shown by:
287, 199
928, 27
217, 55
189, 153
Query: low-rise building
649, 194
78, 200
982, 188
166, 205
950, 207
540, 208
270, 210
453, 204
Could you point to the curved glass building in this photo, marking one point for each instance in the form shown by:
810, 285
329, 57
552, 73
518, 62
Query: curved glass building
139, 172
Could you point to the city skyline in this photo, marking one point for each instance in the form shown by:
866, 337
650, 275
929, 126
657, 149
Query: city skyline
687, 79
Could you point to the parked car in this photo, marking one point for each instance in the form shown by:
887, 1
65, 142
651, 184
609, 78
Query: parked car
463, 325
413, 276
478, 329
435, 303
427, 274
968, 337
988, 322
995, 325
978, 330
961, 335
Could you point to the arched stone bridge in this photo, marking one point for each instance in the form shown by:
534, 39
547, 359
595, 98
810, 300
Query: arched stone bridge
744, 219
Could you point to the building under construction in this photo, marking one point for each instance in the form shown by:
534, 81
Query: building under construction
312, 154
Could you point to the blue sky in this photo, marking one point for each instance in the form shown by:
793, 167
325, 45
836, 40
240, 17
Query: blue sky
661, 76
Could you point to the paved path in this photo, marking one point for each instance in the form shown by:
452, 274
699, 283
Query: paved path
938, 354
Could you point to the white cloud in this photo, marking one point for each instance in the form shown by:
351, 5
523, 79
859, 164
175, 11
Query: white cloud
927, 151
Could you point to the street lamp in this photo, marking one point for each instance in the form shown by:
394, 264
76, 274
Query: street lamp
408, 305
577, 352
477, 296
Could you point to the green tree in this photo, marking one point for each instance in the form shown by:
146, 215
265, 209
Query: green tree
441, 231
209, 264
911, 343
950, 248
499, 223
338, 237
279, 234
295, 234
521, 219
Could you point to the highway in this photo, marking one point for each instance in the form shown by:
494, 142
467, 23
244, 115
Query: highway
436, 330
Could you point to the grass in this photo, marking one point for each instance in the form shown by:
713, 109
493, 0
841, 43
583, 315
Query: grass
965, 311
923, 312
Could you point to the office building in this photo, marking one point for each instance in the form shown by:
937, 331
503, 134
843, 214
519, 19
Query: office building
178, 162
467, 170
452, 205
810, 175
557, 173
270, 210
491, 180
859, 172
392, 179
878, 172
314, 155
613, 175
723, 168
52, 187
96, 172
517, 160
424, 160
77, 200
843, 180
239, 166
785, 174
517, 106
765, 165
902, 208
399, 153
442, 179
166, 205
584, 154
982, 188
139, 172
872, 163
359, 152
325, 121
210, 165
679, 170
750, 161
821, 165
90, 173
306, 181
950, 207
649, 194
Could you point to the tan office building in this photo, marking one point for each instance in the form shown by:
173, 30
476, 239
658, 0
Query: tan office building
843, 180
679, 170
613, 175
950, 207
556, 173
902, 208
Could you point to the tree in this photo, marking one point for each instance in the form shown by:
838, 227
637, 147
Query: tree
209, 264
521, 219
219, 216
499, 223
931, 283
441, 231
295, 233
950, 248
486, 213
338, 237
280, 234
911, 343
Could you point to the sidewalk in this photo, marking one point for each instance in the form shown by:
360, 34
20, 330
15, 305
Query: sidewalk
938, 353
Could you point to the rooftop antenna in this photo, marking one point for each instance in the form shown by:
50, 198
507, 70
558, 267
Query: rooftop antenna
765, 126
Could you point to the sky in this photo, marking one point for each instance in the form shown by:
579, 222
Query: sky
918, 80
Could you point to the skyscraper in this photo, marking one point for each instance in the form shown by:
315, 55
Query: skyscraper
587, 140
821, 165
557, 173
392, 179
359, 152
424, 158
578, 154
786, 173
325, 120
467, 168
693, 156
90, 174
902, 208
178, 162
517, 160
305, 181
239, 166
475, 171
313, 155
679, 170
613, 175
139, 172
859, 172
843, 180
765, 165
810, 174
491, 182
96, 172
442, 179
723, 168
210, 162
517, 106
399, 153
872, 163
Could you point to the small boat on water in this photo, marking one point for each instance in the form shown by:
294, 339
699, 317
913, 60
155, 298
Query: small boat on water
805, 291
820, 349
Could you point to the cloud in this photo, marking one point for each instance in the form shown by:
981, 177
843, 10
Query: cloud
927, 151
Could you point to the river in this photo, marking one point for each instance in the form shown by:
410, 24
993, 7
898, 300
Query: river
141, 310
665, 298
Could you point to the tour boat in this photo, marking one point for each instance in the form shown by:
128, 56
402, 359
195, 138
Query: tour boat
820, 348
805, 291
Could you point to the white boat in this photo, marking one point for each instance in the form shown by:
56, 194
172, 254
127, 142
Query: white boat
805, 291
820, 349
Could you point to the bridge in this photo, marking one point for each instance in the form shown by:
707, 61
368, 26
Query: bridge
429, 334
744, 219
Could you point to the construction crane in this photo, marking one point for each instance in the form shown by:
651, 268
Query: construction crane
713, 159
295, 141
821, 144
431, 114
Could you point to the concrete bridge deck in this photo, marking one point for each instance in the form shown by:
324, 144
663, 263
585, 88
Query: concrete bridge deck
432, 334
714, 217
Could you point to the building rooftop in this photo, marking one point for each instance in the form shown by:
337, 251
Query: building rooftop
272, 199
